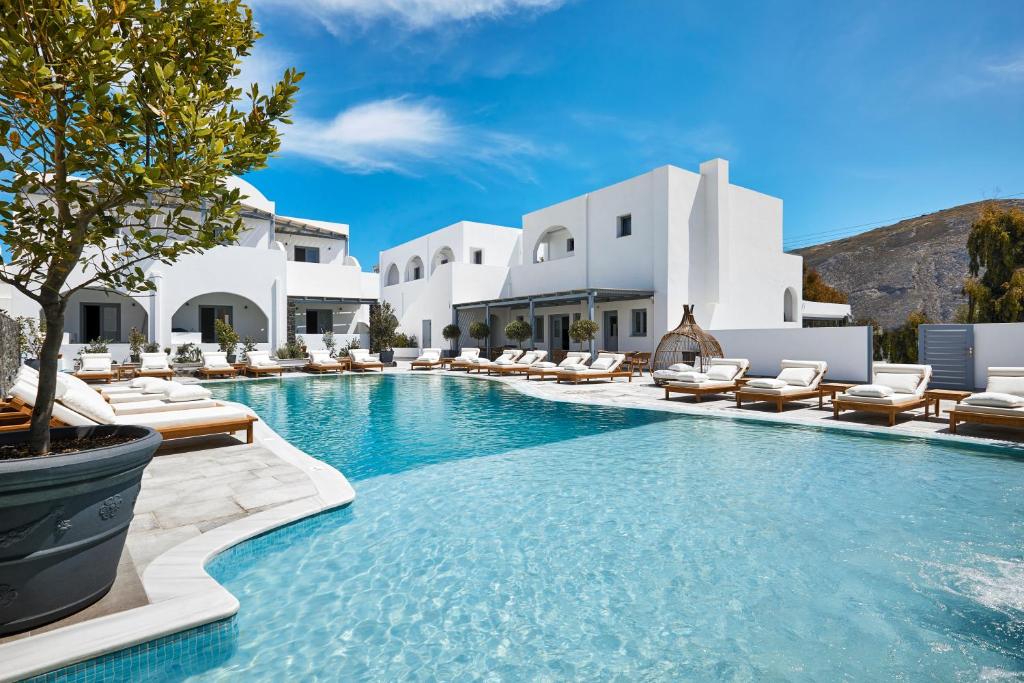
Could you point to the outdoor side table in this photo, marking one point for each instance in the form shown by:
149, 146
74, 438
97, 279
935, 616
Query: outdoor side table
938, 395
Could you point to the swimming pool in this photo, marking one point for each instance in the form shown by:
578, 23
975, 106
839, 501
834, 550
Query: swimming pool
497, 536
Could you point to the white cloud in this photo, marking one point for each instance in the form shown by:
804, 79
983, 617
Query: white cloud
402, 135
414, 14
1012, 70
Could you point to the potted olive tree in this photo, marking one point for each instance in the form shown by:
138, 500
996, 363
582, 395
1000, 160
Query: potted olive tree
451, 334
583, 331
227, 339
136, 340
118, 120
383, 325
479, 330
518, 331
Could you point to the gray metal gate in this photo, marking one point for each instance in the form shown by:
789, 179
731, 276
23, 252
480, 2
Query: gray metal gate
949, 349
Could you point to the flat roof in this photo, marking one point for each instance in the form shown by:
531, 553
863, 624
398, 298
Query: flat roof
555, 298
289, 225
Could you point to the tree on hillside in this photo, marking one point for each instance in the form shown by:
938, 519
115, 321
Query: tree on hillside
121, 113
816, 289
995, 285
900, 345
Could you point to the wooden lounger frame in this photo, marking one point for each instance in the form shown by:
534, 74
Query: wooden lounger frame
577, 377
429, 364
321, 368
166, 374
506, 370
368, 365
217, 372
780, 400
697, 392
259, 372
841, 404
991, 419
204, 429
96, 377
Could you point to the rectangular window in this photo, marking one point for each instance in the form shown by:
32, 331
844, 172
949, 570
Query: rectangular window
416, 275
625, 226
639, 328
307, 254
319, 320
538, 329
101, 321
477, 256
576, 316
570, 244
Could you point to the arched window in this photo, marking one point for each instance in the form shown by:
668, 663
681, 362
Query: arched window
789, 306
391, 278
444, 255
414, 269
556, 243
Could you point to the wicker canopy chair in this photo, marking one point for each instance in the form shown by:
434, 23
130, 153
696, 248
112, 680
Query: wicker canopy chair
688, 343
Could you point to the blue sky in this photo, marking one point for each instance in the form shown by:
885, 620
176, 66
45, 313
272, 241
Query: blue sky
415, 114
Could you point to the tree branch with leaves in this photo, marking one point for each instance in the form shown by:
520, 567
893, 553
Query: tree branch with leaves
118, 124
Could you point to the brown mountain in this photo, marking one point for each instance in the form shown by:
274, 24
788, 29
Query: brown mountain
916, 264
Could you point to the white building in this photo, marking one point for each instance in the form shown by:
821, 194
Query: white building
629, 256
285, 276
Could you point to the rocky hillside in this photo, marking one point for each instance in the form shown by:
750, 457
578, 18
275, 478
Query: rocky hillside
918, 263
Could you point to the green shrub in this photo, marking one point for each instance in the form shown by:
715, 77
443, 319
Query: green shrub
518, 331
451, 333
97, 346
293, 349
188, 353
479, 330
153, 347
227, 338
136, 340
404, 341
583, 331
383, 323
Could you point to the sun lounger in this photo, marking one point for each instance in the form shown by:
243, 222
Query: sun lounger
258, 363
80, 406
679, 372
520, 365
721, 377
430, 358
798, 380
895, 388
1001, 404
362, 359
465, 359
606, 366
320, 361
154, 365
505, 357
96, 367
544, 369
215, 364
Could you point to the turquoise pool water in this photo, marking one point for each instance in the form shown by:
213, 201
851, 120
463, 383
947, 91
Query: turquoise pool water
500, 537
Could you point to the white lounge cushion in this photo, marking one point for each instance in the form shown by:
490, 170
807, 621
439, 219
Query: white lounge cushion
503, 360
899, 382
798, 377
187, 392
995, 399
430, 354
602, 363
999, 384
545, 364
182, 418
873, 390
363, 356
143, 382
96, 362
69, 382
26, 391
706, 384
255, 358
468, 354
680, 367
131, 397
320, 356
722, 372
216, 360
90, 404
990, 410
692, 376
894, 400
575, 367
160, 386
153, 361
157, 406
767, 383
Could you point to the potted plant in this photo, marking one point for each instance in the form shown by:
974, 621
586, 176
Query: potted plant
136, 340
248, 344
153, 347
30, 339
330, 343
227, 338
125, 136
479, 330
518, 331
383, 323
451, 333
583, 331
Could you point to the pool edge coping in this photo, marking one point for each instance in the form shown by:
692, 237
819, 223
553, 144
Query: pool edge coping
182, 594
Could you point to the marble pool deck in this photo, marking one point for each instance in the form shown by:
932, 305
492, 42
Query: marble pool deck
200, 497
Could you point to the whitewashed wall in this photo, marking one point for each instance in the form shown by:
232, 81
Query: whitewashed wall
847, 350
997, 345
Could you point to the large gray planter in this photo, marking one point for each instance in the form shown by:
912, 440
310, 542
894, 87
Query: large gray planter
63, 522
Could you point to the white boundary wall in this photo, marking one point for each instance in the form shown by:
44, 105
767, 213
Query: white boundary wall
847, 350
996, 345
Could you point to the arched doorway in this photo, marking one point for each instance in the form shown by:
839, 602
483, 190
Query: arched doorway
444, 255
391, 275
195, 319
556, 243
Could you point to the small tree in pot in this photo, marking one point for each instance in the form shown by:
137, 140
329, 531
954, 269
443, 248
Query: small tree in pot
451, 333
227, 338
479, 330
518, 331
136, 340
30, 339
383, 325
583, 331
